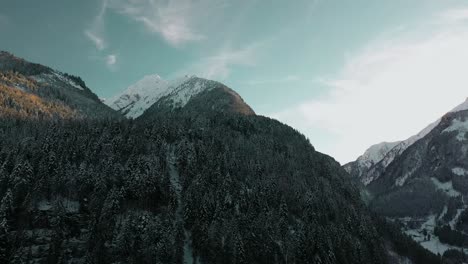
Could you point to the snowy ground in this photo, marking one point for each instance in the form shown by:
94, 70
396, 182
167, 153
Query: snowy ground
428, 224
446, 187
175, 182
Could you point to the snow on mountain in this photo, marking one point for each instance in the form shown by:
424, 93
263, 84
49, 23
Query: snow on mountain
426, 180
56, 77
138, 97
398, 149
183, 92
460, 126
134, 101
377, 152
373, 162
371, 157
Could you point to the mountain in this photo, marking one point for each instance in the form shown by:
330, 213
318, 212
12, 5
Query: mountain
162, 96
221, 188
422, 183
217, 188
198, 96
196, 178
360, 168
372, 164
30, 90
140, 96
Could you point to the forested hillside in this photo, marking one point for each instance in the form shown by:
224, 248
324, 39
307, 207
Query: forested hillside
197, 178
220, 188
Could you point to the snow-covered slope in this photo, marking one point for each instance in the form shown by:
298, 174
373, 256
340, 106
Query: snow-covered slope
372, 156
410, 141
137, 98
199, 96
154, 92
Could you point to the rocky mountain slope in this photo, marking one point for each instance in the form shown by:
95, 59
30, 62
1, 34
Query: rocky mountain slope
30, 90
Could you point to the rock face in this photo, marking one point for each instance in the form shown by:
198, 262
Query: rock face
30, 90
425, 184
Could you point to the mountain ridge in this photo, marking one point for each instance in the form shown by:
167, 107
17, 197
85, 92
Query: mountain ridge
367, 174
60, 94
154, 92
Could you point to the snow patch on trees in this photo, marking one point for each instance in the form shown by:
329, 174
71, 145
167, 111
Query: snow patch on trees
459, 171
177, 186
425, 236
401, 180
459, 126
446, 187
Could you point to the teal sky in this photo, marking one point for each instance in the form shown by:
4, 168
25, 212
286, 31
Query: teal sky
279, 55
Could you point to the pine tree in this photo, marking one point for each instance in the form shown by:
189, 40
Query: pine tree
6, 209
21, 177
240, 250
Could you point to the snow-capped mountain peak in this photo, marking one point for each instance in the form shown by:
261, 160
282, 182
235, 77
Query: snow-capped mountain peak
461, 107
377, 152
137, 98
133, 101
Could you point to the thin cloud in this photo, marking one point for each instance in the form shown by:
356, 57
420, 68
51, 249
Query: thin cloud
175, 20
111, 60
96, 39
388, 91
285, 79
455, 15
4, 21
219, 65
96, 32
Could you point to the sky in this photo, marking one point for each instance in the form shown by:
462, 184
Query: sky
346, 73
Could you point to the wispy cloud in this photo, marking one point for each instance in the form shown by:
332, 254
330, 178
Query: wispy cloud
96, 39
219, 65
4, 21
95, 33
175, 20
111, 60
285, 79
455, 15
390, 90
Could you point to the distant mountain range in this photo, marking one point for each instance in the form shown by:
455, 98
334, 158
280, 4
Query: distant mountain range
422, 182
